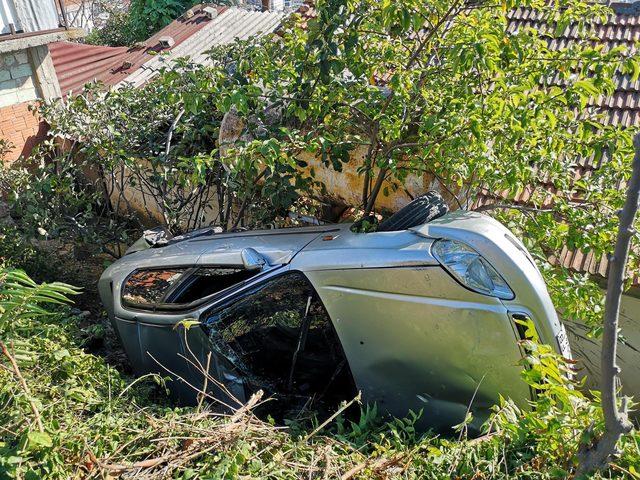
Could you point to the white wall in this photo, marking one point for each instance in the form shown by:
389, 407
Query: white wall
28, 15
587, 350
8, 15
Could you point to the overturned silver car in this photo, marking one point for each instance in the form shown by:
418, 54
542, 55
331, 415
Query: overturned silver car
422, 318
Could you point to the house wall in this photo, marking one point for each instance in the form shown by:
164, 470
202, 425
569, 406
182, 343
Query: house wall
25, 76
22, 128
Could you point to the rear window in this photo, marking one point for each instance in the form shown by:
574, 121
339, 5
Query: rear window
207, 281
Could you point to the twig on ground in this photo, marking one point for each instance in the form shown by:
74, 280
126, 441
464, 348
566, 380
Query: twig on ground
375, 465
23, 384
357, 398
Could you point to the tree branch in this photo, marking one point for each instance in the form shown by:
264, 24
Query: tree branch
616, 421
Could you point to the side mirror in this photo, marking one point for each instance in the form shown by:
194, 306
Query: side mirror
252, 260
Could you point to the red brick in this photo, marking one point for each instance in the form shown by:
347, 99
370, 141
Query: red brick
22, 128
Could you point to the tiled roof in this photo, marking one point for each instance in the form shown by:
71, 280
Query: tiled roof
620, 29
77, 64
622, 108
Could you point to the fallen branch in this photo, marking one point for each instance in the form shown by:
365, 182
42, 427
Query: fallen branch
23, 384
481, 439
375, 465
332, 417
115, 467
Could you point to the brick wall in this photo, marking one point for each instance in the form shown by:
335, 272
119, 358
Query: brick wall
16, 78
22, 128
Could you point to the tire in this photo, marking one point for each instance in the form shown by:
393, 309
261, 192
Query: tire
419, 211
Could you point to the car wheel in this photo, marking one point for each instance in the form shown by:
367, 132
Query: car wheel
421, 210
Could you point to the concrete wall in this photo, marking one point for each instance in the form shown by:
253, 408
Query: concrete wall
587, 350
26, 75
346, 186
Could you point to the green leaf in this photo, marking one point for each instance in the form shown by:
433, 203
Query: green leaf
187, 323
474, 125
37, 440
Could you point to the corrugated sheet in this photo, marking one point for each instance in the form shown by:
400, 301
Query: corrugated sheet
77, 64
234, 23
180, 30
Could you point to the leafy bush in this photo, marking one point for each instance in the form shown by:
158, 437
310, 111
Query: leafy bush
149, 16
18, 252
5, 147
118, 31
53, 199
153, 153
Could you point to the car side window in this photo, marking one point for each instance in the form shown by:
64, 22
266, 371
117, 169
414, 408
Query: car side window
147, 287
280, 339
171, 288
206, 281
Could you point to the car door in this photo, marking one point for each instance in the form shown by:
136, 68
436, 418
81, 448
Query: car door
278, 338
417, 340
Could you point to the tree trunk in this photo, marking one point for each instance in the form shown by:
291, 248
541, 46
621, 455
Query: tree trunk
616, 421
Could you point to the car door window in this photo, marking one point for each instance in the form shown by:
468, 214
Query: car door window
179, 288
280, 339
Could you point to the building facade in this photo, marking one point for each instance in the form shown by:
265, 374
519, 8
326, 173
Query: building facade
26, 70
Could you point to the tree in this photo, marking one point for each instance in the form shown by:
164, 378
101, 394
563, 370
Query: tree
616, 420
444, 89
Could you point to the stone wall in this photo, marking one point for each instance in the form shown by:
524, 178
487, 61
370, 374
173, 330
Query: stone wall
16, 78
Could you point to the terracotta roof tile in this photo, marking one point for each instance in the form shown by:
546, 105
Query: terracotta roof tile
622, 108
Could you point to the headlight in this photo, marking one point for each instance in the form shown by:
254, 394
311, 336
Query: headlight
470, 269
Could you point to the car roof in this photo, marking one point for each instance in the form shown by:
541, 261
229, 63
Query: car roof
332, 246
278, 246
